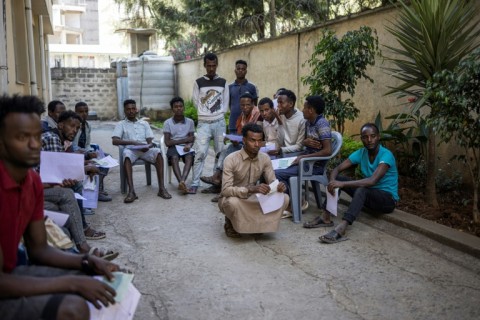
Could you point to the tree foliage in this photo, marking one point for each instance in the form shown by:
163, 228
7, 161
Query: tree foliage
433, 35
221, 24
336, 66
455, 97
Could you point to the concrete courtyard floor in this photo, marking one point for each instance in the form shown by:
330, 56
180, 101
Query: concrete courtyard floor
186, 268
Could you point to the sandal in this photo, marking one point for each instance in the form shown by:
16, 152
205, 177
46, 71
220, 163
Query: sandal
164, 194
130, 197
191, 190
92, 234
332, 237
210, 180
230, 231
182, 187
286, 214
103, 253
317, 223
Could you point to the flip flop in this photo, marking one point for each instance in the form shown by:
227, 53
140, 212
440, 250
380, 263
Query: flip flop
332, 237
92, 234
108, 255
210, 180
317, 223
286, 214
130, 197
164, 194
182, 187
192, 190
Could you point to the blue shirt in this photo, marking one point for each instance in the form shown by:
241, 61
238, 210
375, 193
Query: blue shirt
236, 90
389, 182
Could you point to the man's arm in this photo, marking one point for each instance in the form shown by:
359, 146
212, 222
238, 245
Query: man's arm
228, 189
326, 151
169, 142
117, 141
13, 286
366, 182
226, 98
196, 95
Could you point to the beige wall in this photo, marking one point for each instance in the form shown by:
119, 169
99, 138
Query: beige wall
277, 63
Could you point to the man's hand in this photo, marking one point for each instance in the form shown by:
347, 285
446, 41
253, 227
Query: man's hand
281, 187
102, 266
296, 161
334, 184
274, 152
93, 290
91, 170
259, 188
68, 183
92, 155
186, 149
312, 143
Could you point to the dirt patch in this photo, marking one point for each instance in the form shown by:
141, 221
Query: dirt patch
454, 210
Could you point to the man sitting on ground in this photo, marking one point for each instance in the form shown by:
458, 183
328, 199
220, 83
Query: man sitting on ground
81, 143
179, 131
378, 190
54, 109
134, 132
60, 140
241, 172
53, 287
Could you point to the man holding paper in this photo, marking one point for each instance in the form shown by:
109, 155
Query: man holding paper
378, 190
179, 135
137, 137
54, 286
241, 172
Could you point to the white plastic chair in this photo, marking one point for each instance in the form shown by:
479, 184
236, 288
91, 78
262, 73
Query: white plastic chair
307, 175
166, 167
123, 176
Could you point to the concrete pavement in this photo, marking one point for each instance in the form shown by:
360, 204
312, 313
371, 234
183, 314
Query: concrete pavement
186, 268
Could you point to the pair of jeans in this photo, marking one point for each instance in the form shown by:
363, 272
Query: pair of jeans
206, 131
375, 199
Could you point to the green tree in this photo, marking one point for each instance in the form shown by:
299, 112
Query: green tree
433, 35
455, 97
336, 65
221, 24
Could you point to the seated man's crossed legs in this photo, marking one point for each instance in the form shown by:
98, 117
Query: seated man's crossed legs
152, 155
63, 200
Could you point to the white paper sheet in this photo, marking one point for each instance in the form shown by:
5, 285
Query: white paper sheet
106, 162
91, 196
268, 147
282, 163
180, 151
59, 218
78, 196
332, 202
233, 137
124, 310
58, 166
270, 202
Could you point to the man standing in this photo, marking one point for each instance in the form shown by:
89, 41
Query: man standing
378, 190
292, 130
236, 89
54, 109
211, 98
134, 132
241, 172
54, 287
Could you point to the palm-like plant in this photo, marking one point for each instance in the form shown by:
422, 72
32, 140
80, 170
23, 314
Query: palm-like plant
433, 35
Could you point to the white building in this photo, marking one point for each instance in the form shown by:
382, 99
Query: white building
89, 34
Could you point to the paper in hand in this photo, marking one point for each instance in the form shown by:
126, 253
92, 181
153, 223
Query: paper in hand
332, 202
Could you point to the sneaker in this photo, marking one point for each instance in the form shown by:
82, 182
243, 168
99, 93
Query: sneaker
104, 197
88, 211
